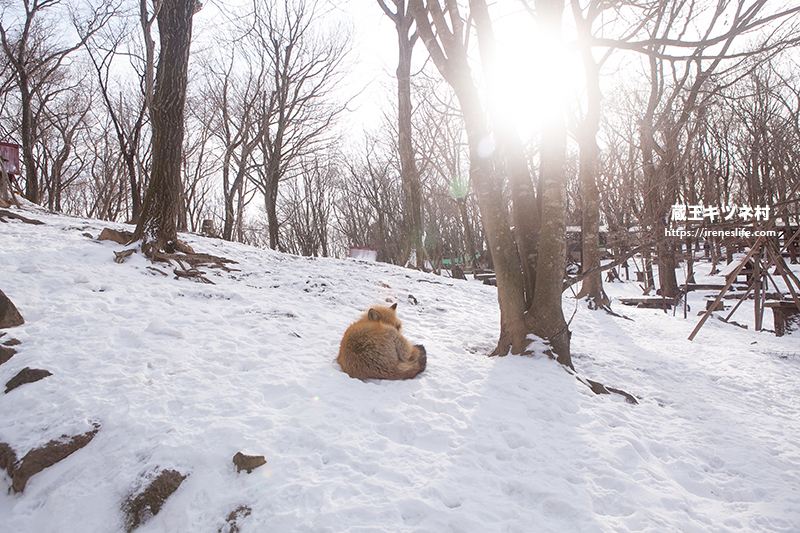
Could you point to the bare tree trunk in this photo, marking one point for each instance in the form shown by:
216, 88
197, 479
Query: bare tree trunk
158, 224
508, 270
592, 286
146, 21
512, 155
588, 128
412, 193
270, 205
28, 139
470, 242
547, 316
452, 64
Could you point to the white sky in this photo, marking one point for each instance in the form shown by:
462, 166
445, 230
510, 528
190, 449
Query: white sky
373, 57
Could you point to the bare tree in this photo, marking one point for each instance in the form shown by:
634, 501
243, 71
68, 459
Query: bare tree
412, 197
444, 161
237, 123
158, 226
128, 112
62, 125
201, 165
510, 158
368, 207
35, 54
444, 34
298, 111
683, 58
307, 207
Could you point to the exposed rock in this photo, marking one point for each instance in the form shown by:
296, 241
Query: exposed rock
26, 375
9, 316
54, 451
6, 353
248, 462
121, 237
12, 342
230, 523
7, 458
139, 509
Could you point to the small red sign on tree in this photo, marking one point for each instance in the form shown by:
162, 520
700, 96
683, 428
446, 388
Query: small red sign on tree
9, 152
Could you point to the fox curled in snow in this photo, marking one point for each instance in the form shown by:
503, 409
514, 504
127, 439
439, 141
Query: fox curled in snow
374, 348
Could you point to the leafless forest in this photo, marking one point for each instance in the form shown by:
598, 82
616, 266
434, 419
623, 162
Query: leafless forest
671, 102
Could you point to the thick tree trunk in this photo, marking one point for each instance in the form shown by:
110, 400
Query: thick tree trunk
28, 140
547, 317
158, 224
450, 58
513, 330
527, 218
667, 263
512, 156
270, 204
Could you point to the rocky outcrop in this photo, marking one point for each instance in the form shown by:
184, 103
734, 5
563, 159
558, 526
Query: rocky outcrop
6, 354
9, 315
140, 508
248, 462
40, 458
232, 522
26, 375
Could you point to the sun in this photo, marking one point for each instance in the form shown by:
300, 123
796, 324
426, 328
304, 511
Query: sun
530, 70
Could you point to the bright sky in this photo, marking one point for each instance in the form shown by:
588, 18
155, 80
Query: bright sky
371, 82
373, 57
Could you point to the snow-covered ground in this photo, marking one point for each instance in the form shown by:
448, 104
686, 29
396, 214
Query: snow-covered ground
181, 375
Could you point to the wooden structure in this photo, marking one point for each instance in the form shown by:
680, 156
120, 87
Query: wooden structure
9, 153
488, 277
651, 302
763, 255
9, 166
786, 316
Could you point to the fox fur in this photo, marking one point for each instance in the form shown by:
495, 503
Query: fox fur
373, 347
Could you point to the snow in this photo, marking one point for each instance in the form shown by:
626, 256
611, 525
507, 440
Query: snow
182, 375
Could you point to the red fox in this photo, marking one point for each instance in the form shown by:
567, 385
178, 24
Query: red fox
374, 348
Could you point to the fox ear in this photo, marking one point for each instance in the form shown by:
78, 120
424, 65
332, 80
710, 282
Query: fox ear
394, 306
372, 314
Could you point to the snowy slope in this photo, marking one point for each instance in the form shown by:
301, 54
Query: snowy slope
182, 375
